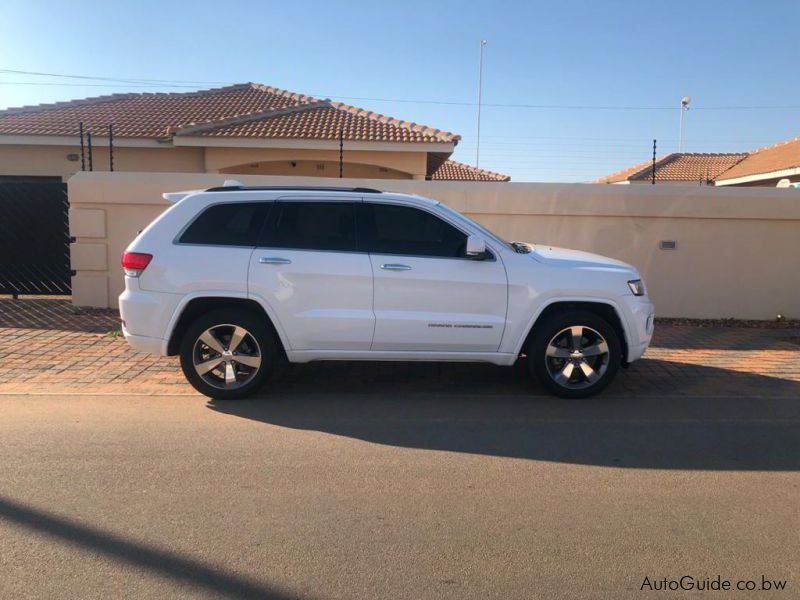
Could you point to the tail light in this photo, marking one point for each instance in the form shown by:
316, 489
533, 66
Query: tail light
133, 263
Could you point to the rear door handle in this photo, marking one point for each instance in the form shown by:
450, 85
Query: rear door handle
395, 267
273, 260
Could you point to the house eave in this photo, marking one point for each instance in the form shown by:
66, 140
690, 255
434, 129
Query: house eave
234, 142
239, 142
74, 140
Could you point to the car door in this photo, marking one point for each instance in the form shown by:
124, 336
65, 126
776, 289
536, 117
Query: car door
427, 295
308, 268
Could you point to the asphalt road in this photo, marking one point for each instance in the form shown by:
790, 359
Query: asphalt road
379, 495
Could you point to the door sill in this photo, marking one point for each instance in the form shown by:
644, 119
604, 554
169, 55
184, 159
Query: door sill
497, 358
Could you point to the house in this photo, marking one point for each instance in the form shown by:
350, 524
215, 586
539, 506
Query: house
244, 129
766, 166
678, 167
763, 167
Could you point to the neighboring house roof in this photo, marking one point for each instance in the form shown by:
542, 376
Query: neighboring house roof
691, 167
245, 110
781, 156
456, 171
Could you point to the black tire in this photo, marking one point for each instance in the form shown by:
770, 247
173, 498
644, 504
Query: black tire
557, 329
258, 343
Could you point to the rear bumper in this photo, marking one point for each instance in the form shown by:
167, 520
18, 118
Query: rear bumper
146, 317
142, 343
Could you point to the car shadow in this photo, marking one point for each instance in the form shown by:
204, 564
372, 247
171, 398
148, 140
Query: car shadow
655, 415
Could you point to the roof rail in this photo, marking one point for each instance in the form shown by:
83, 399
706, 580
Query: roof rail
292, 188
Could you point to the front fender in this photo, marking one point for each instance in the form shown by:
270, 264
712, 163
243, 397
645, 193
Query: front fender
516, 342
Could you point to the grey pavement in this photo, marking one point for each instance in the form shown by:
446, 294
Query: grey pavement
394, 494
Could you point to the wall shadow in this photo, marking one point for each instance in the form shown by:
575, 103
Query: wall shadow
160, 562
651, 417
55, 313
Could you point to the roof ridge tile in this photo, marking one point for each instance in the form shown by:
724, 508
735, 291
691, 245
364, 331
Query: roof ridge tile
211, 124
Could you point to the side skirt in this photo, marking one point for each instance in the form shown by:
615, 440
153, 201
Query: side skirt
497, 358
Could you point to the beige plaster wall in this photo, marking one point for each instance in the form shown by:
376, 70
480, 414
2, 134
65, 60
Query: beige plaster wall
222, 159
737, 255
52, 160
316, 168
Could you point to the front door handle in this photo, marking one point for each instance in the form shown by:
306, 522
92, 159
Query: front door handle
273, 260
395, 267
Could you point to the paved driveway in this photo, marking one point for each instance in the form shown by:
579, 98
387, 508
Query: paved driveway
47, 346
394, 481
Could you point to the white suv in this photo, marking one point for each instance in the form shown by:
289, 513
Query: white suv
235, 278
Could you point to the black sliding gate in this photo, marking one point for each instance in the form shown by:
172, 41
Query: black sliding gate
34, 236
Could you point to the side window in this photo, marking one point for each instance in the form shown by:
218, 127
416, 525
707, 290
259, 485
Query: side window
391, 229
229, 224
312, 226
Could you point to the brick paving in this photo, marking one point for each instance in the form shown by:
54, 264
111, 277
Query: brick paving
49, 346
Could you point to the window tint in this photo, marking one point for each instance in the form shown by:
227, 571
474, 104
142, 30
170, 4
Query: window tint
230, 224
312, 226
390, 229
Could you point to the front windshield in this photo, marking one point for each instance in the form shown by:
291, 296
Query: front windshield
515, 246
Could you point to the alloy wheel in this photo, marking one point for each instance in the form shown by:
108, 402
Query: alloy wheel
226, 356
577, 357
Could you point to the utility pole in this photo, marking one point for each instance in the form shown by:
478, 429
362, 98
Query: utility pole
685, 101
480, 89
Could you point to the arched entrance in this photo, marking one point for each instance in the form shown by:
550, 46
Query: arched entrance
316, 168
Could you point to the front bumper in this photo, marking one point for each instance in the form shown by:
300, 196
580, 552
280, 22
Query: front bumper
640, 317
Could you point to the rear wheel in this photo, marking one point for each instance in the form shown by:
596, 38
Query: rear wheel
227, 354
574, 354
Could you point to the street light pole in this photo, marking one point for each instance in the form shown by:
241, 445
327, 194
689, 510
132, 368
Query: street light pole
480, 87
684, 107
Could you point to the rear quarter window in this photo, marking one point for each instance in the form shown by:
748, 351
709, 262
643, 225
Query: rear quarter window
229, 224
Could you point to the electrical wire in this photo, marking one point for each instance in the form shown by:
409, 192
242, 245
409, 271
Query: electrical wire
191, 83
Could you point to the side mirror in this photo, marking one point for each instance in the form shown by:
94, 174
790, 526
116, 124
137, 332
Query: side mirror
476, 247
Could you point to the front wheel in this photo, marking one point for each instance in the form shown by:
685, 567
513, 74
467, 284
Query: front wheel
574, 354
227, 354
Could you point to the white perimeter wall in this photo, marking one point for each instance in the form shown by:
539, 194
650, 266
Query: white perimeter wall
737, 255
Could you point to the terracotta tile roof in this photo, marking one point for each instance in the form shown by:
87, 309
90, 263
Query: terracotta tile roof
456, 171
689, 167
626, 174
322, 120
784, 155
244, 110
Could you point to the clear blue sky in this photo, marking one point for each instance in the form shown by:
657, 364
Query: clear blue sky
566, 54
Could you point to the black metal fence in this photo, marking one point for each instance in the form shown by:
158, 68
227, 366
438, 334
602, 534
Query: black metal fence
34, 237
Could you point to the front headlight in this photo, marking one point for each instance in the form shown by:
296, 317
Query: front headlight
637, 287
